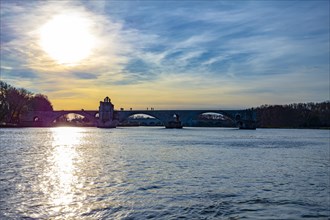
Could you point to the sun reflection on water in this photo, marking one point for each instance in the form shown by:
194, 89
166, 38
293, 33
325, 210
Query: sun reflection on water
63, 167
80, 175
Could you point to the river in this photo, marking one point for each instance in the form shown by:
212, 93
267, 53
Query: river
152, 172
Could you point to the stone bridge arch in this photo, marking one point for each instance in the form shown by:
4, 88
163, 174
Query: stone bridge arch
194, 115
46, 118
129, 116
165, 116
89, 115
244, 119
214, 117
124, 115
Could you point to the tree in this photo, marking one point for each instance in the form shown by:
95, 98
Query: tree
40, 102
297, 115
4, 106
15, 102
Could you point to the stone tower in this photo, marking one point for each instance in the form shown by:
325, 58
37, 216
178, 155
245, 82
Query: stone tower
106, 114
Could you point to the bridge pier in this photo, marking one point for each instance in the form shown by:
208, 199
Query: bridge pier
175, 122
248, 125
246, 120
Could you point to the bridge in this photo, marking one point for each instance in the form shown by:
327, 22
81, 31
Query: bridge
107, 117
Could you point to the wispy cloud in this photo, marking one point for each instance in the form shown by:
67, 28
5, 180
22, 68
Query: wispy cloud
219, 51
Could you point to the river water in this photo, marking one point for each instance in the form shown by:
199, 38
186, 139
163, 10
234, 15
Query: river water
152, 172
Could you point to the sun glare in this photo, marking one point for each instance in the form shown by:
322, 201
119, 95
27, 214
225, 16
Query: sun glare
62, 164
67, 39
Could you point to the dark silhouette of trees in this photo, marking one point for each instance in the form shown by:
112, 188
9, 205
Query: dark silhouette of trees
40, 102
15, 102
296, 115
4, 107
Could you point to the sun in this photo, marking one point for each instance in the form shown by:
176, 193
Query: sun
67, 38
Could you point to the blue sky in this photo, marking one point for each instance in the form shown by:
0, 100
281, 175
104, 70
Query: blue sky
175, 54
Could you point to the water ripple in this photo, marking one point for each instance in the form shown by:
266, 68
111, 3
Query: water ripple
152, 173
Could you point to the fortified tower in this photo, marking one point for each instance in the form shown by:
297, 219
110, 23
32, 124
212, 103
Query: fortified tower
106, 114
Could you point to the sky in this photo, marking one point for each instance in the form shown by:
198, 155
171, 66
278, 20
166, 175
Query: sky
167, 54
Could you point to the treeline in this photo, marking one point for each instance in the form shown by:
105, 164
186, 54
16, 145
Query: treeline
297, 115
16, 101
